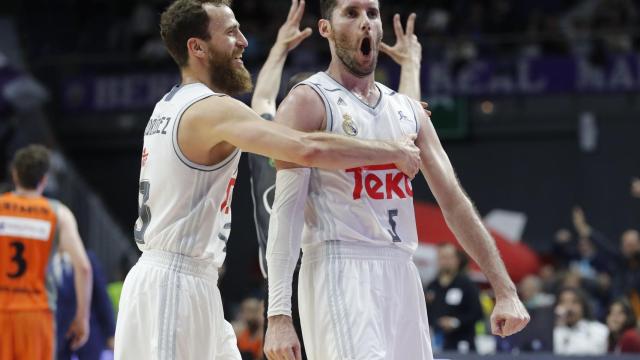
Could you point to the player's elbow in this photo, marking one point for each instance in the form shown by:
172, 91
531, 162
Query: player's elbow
83, 269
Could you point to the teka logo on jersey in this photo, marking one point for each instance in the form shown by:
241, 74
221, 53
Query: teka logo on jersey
225, 207
380, 182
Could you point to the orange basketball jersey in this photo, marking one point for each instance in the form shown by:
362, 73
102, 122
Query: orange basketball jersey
28, 228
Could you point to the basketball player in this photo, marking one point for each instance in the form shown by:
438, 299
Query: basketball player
32, 228
407, 52
360, 296
170, 306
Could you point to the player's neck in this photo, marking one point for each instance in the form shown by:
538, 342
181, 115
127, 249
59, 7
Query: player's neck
363, 87
191, 76
27, 192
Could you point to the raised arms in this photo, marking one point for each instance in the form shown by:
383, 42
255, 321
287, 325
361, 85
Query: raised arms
289, 37
406, 52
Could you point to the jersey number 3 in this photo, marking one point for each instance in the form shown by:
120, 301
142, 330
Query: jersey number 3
144, 212
18, 259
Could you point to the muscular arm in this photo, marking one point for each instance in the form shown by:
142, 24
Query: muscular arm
71, 243
462, 218
215, 120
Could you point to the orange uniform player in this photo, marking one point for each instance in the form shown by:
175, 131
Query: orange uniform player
31, 229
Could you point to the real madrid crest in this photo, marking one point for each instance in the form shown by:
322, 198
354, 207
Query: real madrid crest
348, 125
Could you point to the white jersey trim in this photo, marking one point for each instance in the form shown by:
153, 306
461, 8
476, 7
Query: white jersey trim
180, 154
364, 105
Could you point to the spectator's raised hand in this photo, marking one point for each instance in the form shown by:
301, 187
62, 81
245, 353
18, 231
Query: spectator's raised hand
407, 48
289, 35
580, 222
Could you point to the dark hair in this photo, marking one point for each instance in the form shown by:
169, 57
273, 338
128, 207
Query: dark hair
184, 19
31, 164
326, 8
463, 260
630, 322
587, 311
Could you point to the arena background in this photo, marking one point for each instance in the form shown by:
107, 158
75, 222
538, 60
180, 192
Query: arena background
537, 103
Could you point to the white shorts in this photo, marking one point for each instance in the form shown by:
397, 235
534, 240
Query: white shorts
170, 308
360, 302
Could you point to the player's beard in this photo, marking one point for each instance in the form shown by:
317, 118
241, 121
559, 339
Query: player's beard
347, 54
225, 76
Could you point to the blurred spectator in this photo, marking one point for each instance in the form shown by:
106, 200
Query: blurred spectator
538, 334
635, 187
575, 332
249, 328
625, 261
627, 278
453, 301
531, 294
102, 320
624, 336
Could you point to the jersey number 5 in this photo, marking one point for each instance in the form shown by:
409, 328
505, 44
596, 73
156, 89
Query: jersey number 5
144, 212
394, 235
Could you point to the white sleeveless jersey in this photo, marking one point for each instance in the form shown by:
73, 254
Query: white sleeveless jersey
184, 207
372, 204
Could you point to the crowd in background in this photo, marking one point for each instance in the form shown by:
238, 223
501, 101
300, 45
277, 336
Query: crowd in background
454, 30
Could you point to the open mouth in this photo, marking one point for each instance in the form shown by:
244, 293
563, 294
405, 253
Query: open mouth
365, 46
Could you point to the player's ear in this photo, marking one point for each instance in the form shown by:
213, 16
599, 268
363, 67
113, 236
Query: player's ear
324, 28
197, 48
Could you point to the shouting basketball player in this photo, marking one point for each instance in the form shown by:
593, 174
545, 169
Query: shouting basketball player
359, 292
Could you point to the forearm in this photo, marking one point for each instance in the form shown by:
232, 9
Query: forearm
268, 81
83, 280
467, 226
285, 231
410, 80
341, 152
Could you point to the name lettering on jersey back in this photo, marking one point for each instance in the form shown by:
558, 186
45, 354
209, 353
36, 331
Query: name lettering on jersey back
157, 126
380, 182
24, 209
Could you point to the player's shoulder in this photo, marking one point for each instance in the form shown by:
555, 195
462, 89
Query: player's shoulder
302, 109
211, 108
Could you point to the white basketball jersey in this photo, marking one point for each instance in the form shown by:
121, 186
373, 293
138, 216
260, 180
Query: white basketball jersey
372, 204
184, 207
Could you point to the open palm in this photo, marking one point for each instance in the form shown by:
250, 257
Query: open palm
407, 47
289, 34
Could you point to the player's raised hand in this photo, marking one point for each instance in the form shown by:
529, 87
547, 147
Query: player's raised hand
281, 341
409, 162
289, 35
509, 316
407, 48
78, 332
